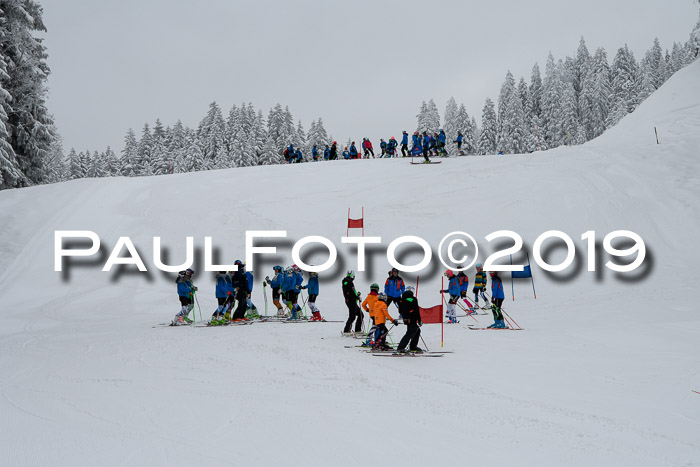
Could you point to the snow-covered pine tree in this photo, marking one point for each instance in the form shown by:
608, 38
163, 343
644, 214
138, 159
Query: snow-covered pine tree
300, 141
534, 106
177, 147
96, 165
258, 136
159, 158
28, 123
145, 151
75, 166
465, 125
512, 137
428, 118
10, 173
56, 167
111, 163
452, 125
270, 153
130, 154
600, 90
318, 136
653, 70
551, 108
626, 84
210, 135
489, 129
528, 127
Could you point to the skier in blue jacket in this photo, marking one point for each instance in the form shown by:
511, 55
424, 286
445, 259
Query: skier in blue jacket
314, 152
497, 297
404, 144
327, 153
391, 147
454, 289
312, 287
251, 309
394, 287
185, 292
353, 151
426, 145
223, 293
459, 139
382, 146
290, 287
442, 141
276, 284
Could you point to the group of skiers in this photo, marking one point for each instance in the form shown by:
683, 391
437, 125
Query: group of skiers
233, 294
426, 144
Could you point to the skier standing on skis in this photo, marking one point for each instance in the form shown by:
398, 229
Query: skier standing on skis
251, 309
223, 292
464, 286
346, 153
240, 285
410, 311
368, 306
276, 283
382, 145
479, 284
404, 144
453, 289
353, 151
381, 315
327, 153
334, 151
312, 287
314, 153
391, 147
351, 297
290, 288
394, 287
185, 291
459, 143
497, 297
442, 142
426, 145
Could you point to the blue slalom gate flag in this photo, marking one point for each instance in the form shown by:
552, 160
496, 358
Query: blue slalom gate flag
524, 274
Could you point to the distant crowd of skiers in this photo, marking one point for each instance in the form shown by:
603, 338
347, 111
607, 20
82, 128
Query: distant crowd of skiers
233, 292
425, 145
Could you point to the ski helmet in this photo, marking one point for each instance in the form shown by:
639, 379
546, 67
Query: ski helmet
415, 133
374, 286
382, 297
479, 266
277, 268
351, 274
189, 272
449, 273
410, 289
289, 270
296, 268
492, 273
394, 270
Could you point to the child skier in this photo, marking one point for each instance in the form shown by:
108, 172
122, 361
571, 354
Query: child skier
312, 287
382, 146
290, 289
391, 147
497, 297
459, 139
185, 291
442, 141
351, 297
453, 289
223, 292
464, 289
251, 309
381, 315
368, 306
410, 311
479, 283
404, 144
276, 283
239, 283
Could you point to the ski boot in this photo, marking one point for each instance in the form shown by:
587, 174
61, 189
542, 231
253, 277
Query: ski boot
187, 320
227, 316
500, 324
417, 350
177, 320
316, 316
494, 325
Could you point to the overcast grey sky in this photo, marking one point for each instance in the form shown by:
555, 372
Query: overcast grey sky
364, 66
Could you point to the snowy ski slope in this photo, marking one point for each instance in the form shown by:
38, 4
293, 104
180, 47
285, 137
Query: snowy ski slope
602, 374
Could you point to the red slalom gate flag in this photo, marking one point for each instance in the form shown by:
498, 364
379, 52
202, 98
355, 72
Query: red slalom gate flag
432, 315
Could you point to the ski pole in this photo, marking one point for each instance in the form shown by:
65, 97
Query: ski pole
426, 345
265, 295
511, 318
468, 314
198, 307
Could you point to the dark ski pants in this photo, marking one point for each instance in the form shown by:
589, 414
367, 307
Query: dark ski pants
396, 300
496, 308
380, 335
404, 150
354, 312
242, 297
412, 335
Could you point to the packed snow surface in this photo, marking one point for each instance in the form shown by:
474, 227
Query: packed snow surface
602, 374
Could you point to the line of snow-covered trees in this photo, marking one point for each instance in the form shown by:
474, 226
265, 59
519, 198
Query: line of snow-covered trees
26, 128
244, 138
576, 100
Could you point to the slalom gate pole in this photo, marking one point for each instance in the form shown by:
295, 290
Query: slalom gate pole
265, 295
417, 279
512, 288
442, 314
